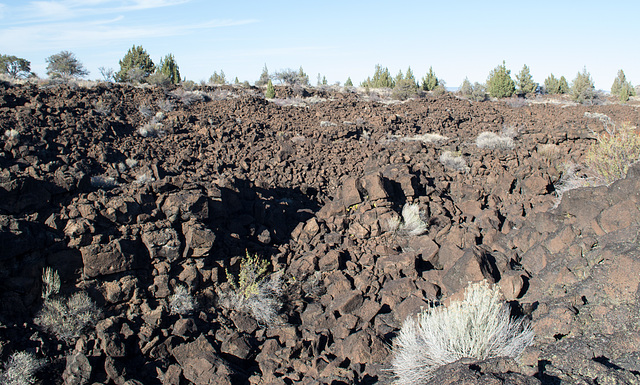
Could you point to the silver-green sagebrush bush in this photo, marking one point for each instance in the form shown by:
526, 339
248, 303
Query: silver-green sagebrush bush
181, 301
478, 327
20, 369
454, 162
254, 291
66, 318
493, 141
411, 223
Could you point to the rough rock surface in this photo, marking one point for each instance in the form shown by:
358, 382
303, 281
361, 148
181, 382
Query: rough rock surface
315, 189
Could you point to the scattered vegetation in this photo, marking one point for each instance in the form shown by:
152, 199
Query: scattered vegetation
499, 82
291, 77
381, 79
20, 369
478, 327
65, 66
218, 79
493, 141
452, 161
264, 77
255, 291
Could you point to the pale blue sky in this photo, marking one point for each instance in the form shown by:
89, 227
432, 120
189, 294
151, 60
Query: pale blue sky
335, 38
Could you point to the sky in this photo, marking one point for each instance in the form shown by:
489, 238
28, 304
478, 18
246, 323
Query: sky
338, 39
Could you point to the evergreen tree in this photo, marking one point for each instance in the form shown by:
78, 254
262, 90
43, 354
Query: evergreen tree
563, 85
324, 80
302, 77
236, 81
169, 68
218, 79
271, 91
430, 82
622, 88
348, 83
526, 84
136, 62
381, 79
552, 85
582, 88
499, 83
466, 89
14, 66
264, 77
65, 65
399, 76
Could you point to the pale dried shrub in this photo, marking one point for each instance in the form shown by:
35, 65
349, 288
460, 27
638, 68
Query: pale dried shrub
181, 301
151, 129
426, 138
20, 369
493, 141
411, 223
454, 162
50, 282
67, 318
478, 327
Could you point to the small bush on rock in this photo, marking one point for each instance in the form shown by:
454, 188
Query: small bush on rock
614, 151
454, 162
478, 327
20, 369
411, 223
181, 302
67, 318
493, 141
255, 292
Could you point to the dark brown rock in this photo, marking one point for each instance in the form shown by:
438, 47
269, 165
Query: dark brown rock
201, 364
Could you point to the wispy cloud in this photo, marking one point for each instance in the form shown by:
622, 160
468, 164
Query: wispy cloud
62, 35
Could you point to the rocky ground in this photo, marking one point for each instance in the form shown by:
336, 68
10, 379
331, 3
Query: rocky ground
132, 192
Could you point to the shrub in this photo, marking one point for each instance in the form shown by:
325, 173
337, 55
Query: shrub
14, 66
108, 74
170, 69
478, 327
493, 141
67, 318
65, 65
255, 292
271, 91
20, 369
136, 59
454, 162
181, 302
499, 82
525, 83
411, 223
479, 92
622, 88
159, 79
613, 152
430, 81
291, 77
582, 88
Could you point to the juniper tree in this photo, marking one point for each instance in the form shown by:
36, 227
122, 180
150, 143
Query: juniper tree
348, 83
169, 68
466, 89
622, 88
381, 79
563, 86
218, 79
526, 85
582, 88
135, 65
264, 77
65, 65
430, 81
271, 91
552, 85
499, 83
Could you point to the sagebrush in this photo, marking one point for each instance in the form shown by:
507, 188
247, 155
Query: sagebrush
478, 327
67, 318
20, 369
